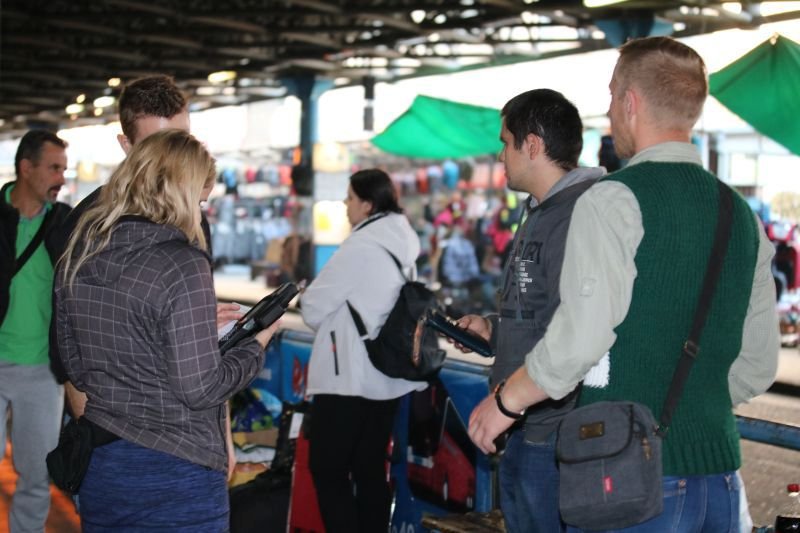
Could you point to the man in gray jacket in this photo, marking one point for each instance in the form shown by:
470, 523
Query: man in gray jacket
542, 140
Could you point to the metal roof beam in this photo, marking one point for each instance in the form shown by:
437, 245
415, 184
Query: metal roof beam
227, 23
325, 7
317, 39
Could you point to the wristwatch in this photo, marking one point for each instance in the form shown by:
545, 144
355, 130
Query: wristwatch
510, 414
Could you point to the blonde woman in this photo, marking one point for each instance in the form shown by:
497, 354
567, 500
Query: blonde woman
137, 333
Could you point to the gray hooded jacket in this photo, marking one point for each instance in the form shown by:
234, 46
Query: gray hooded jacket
530, 294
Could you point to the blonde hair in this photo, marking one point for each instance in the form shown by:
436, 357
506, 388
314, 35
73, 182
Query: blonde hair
161, 179
671, 76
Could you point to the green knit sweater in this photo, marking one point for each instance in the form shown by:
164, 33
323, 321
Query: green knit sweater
679, 206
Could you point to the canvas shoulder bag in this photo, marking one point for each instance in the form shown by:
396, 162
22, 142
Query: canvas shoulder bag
609, 453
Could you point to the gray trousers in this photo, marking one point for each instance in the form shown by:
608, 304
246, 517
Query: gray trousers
36, 404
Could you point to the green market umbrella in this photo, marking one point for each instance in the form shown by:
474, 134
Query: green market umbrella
763, 88
433, 128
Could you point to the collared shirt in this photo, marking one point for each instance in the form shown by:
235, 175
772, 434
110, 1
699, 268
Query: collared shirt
597, 282
24, 331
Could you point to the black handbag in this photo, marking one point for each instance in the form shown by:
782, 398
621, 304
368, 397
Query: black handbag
69, 461
609, 453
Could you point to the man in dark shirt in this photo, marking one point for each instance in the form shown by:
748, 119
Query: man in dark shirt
146, 105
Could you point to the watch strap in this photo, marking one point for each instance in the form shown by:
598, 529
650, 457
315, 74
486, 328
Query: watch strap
501, 407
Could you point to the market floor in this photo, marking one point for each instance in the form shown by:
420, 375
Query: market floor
62, 517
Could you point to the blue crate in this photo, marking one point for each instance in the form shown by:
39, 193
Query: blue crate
452, 475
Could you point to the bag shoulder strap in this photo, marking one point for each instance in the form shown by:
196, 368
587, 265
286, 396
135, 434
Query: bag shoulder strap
398, 264
30, 249
692, 345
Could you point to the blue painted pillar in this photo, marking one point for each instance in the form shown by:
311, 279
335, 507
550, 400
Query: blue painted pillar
634, 24
308, 88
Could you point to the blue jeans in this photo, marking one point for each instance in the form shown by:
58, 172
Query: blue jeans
694, 504
529, 486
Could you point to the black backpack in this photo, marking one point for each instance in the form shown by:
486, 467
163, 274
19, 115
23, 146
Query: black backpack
406, 347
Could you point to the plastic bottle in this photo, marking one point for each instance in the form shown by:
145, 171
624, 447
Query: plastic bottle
789, 522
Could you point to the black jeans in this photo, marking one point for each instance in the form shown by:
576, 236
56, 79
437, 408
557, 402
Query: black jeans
348, 452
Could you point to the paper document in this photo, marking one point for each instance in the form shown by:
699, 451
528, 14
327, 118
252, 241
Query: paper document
225, 328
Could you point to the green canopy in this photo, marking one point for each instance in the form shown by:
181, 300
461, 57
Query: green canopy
433, 128
763, 88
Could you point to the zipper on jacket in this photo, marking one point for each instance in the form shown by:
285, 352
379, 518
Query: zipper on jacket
223, 421
335, 355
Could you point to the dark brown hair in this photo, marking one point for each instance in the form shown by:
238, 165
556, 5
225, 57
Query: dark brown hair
30, 146
374, 185
155, 96
550, 116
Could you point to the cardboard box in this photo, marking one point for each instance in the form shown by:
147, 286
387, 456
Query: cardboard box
263, 437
